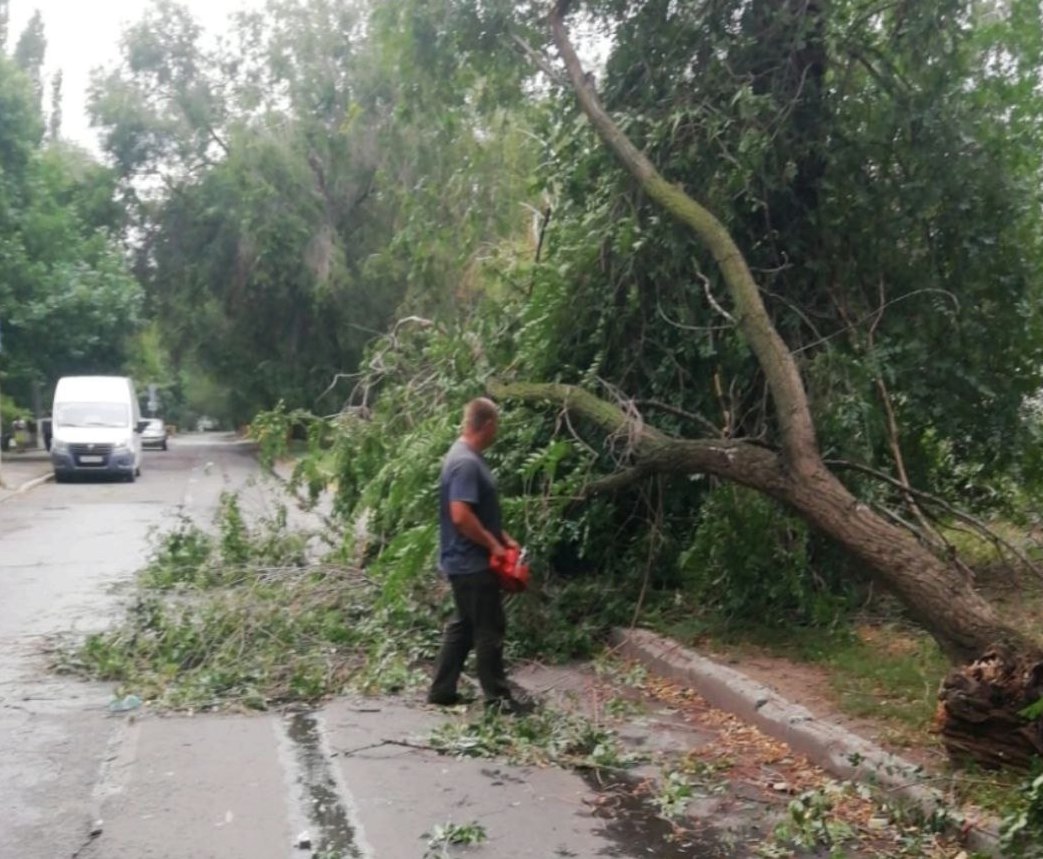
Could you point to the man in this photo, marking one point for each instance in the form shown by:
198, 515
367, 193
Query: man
471, 534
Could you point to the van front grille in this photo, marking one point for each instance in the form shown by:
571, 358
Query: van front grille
88, 455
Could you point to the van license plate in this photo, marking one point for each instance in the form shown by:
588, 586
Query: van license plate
92, 460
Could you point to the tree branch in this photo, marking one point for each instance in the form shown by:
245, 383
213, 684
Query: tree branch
977, 525
799, 443
679, 413
617, 481
654, 450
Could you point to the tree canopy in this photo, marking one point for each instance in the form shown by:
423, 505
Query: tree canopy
278, 182
384, 205
68, 302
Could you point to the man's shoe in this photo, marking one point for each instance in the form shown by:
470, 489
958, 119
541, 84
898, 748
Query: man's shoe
510, 706
453, 700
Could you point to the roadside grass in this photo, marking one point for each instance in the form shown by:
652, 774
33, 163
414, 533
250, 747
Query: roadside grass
878, 666
881, 670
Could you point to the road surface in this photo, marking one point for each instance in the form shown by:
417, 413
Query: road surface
79, 781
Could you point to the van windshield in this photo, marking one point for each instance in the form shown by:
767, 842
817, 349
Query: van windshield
92, 415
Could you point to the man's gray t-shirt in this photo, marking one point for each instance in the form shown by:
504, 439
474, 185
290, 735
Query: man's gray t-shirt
466, 477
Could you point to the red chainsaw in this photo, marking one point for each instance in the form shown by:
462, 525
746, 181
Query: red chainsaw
512, 569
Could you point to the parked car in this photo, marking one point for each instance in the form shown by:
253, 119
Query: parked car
154, 434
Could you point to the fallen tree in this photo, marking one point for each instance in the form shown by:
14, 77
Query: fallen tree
977, 707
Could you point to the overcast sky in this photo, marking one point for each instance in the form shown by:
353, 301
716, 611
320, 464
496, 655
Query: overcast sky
84, 34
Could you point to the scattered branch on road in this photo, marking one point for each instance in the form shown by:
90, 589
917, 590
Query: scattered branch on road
382, 743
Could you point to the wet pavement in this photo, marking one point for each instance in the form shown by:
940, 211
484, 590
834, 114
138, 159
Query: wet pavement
358, 778
67, 555
352, 780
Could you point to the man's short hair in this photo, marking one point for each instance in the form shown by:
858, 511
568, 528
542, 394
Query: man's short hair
479, 412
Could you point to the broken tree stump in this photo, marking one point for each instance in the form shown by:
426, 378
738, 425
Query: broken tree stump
979, 706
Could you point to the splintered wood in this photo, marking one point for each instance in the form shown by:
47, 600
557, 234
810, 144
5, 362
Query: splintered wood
980, 706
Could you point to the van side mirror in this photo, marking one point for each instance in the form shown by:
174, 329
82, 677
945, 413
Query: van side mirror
139, 427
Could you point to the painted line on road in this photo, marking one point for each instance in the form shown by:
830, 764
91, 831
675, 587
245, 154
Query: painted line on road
113, 775
319, 798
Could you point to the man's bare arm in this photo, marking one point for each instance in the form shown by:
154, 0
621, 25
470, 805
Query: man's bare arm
467, 523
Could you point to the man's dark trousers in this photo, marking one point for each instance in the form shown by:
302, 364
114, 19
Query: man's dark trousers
479, 622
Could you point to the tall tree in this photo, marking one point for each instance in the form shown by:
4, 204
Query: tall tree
66, 297
30, 52
54, 118
304, 193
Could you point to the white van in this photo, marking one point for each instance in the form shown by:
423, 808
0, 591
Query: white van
96, 427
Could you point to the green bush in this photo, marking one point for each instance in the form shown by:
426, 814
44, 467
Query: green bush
750, 561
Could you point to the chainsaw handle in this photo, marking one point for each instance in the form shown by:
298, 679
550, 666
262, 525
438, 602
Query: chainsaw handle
506, 562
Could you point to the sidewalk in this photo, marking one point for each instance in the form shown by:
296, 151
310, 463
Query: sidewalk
832, 747
22, 471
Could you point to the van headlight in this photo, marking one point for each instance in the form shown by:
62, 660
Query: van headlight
59, 446
121, 446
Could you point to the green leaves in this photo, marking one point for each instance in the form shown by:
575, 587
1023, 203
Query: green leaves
68, 301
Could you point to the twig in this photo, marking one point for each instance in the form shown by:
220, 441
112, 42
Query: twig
712, 300
652, 539
536, 58
977, 524
683, 327
680, 413
405, 743
875, 314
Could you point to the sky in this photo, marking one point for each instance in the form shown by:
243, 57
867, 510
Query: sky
84, 34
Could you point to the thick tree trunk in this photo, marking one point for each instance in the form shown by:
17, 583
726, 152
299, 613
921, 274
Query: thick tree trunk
938, 595
979, 704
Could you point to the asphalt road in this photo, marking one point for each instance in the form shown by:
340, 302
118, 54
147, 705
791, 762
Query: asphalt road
67, 555
79, 781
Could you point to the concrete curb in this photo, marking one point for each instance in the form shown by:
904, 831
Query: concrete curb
835, 749
29, 484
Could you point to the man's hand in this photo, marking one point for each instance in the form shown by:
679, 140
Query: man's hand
510, 541
466, 522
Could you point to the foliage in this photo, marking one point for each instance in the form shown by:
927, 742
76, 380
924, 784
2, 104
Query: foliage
448, 834
337, 165
542, 738
251, 624
767, 580
67, 300
180, 558
1021, 830
879, 203
303, 199
9, 411
674, 793
810, 822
